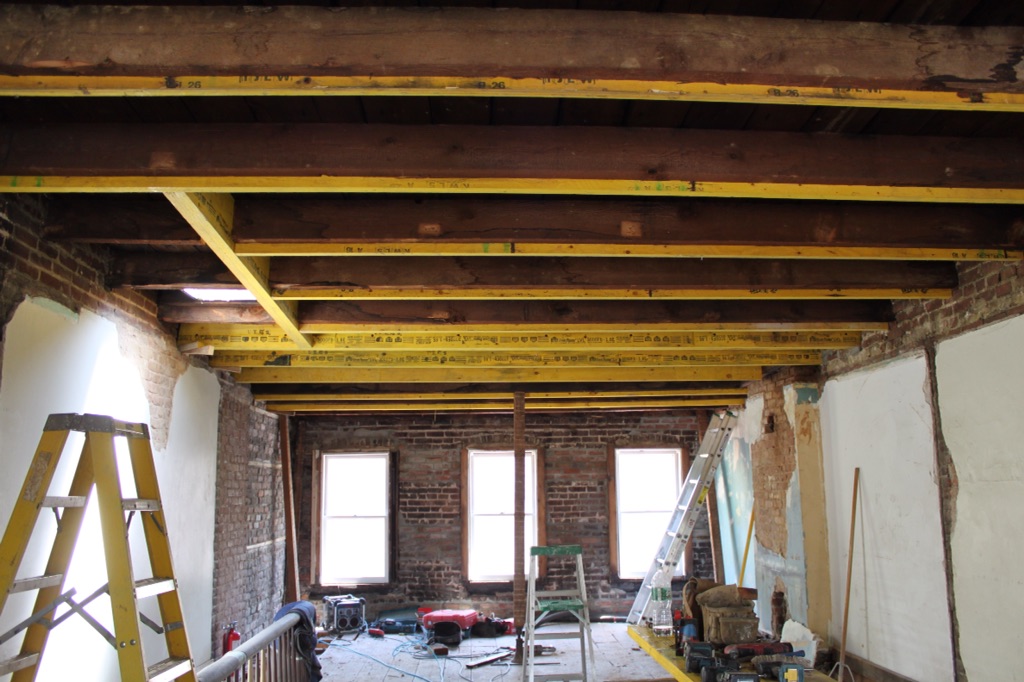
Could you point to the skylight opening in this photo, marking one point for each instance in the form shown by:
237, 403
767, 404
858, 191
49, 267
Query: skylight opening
220, 295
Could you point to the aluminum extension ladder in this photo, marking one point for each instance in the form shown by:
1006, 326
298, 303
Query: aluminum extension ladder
695, 488
97, 465
542, 602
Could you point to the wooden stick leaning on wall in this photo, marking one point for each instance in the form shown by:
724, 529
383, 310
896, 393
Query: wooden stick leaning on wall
291, 554
841, 665
746, 549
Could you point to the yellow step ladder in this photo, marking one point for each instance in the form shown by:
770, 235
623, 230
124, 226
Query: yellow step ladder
573, 600
96, 465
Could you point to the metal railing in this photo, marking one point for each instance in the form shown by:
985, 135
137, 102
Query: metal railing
269, 656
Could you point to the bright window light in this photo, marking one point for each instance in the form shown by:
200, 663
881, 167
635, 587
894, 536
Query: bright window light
647, 484
492, 513
354, 536
227, 295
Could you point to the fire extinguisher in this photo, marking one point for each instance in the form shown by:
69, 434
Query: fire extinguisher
227, 641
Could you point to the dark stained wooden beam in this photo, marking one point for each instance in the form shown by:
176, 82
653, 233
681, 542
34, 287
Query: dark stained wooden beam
119, 219
326, 316
443, 277
496, 225
330, 315
391, 222
504, 52
416, 277
471, 159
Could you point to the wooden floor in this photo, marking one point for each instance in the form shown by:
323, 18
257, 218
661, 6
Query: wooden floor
618, 659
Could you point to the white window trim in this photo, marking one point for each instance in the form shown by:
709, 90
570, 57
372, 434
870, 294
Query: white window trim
679, 473
532, 456
356, 580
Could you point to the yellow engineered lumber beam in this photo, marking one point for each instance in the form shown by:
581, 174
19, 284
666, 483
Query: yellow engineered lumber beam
436, 396
513, 185
447, 375
324, 327
500, 86
634, 250
536, 405
521, 359
212, 216
256, 338
483, 293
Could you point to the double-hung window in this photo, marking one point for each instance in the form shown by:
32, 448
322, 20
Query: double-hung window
646, 487
355, 524
489, 502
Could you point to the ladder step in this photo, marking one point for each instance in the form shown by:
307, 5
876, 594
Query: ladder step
36, 583
558, 635
560, 676
13, 665
168, 669
72, 501
136, 504
153, 586
559, 605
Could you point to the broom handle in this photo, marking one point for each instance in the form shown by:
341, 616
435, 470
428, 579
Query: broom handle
849, 571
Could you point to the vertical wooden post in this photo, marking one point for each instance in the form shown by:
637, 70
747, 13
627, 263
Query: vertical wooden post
519, 533
314, 520
712, 505
291, 555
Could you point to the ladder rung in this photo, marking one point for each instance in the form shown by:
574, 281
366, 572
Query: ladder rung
137, 504
72, 501
558, 635
152, 586
13, 665
168, 669
36, 583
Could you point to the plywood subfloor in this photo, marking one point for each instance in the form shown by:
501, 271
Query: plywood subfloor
618, 659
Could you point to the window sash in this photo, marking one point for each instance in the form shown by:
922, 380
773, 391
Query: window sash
492, 514
355, 528
647, 486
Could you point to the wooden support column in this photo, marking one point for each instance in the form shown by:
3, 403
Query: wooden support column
291, 557
712, 505
519, 532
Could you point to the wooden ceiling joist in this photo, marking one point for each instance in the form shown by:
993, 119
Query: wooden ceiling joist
483, 52
328, 317
509, 375
496, 226
533, 404
517, 359
437, 278
255, 338
716, 393
495, 159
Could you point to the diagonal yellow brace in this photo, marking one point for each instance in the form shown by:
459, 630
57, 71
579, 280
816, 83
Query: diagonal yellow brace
212, 217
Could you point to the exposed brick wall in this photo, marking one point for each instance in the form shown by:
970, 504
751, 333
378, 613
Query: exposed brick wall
248, 587
429, 526
986, 292
248, 584
773, 457
73, 275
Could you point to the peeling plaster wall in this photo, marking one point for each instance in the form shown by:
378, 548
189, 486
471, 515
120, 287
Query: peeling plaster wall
880, 420
735, 492
56, 361
981, 388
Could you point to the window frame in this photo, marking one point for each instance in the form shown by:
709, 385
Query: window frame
685, 461
391, 506
540, 510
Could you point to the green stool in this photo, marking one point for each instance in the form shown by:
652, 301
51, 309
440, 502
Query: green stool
540, 602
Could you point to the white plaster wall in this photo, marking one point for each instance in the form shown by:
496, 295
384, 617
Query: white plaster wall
981, 390
879, 419
55, 361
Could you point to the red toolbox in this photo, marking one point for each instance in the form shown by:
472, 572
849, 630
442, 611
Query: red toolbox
465, 618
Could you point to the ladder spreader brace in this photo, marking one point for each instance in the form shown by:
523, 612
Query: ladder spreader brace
97, 466
695, 488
